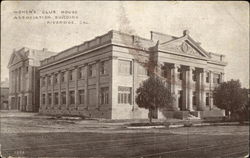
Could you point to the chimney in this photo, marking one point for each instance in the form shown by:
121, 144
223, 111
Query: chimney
185, 32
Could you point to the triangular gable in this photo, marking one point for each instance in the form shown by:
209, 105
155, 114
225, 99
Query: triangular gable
15, 58
184, 45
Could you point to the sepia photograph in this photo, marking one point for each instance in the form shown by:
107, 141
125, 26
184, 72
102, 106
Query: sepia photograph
124, 79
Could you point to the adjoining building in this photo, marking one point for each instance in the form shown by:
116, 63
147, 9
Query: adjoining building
24, 78
99, 78
4, 105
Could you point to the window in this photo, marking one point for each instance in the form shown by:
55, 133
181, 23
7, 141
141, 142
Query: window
207, 99
63, 96
81, 73
26, 100
194, 98
207, 77
92, 97
70, 75
193, 75
56, 98
104, 94
103, 67
27, 69
124, 67
72, 97
63, 76
216, 78
49, 98
56, 78
180, 95
43, 81
81, 96
179, 74
124, 95
43, 99
92, 71
49, 80
142, 70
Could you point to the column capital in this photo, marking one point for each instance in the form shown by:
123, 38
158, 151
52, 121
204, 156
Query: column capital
175, 66
188, 68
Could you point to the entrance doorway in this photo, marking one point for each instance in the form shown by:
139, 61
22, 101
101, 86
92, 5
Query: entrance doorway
13, 103
180, 95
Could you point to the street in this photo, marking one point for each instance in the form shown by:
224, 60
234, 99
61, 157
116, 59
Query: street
40, 136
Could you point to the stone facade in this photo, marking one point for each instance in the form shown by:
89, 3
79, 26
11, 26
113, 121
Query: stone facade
24, 78
99, 78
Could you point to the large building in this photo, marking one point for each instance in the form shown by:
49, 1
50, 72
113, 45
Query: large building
99, 78
24, 78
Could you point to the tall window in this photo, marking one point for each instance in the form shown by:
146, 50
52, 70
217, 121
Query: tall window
56, 78
193, 75
49, 98
56, 98
179, 74
124, 95
63, 96
72, 97
92, 71
142, 70
81, 72
180, 95
103, 67
70, 75
43, 99
63, 76
104, 95
81, 96
216, 78
92, 96
207, 77
49, 80
125, 67
43, 81
207, 99
194, 98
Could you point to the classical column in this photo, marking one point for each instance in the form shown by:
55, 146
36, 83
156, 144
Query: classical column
174, 85
41, 85
52, 89
59, 79
86, 84
18, 81
76, 87
190, 88
10, 82
187, 75
97, 83
46, 90
202, 94
67, 88
211, 99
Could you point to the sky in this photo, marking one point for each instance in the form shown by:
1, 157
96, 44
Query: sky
220, 27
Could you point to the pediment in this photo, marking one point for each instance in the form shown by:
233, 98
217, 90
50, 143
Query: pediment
184, 46
15, 58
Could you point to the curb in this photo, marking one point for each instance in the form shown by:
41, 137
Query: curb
183, 125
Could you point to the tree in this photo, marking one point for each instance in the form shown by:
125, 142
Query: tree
243, 111
153, 94
231, 97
